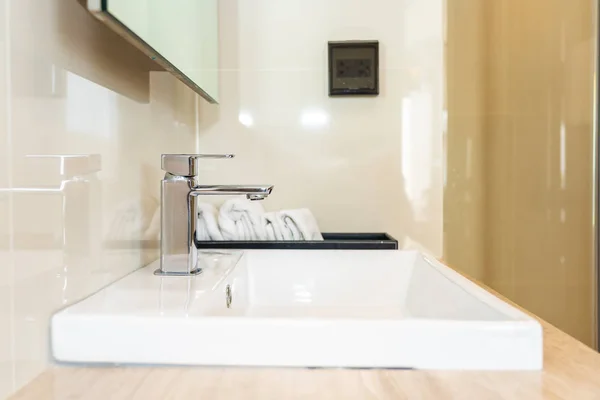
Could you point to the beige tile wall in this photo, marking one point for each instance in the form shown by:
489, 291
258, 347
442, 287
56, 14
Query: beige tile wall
540, 147
464, 192
70, 86
530, 65
359, 163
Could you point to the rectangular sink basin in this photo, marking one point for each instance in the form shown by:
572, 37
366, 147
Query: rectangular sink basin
361, 309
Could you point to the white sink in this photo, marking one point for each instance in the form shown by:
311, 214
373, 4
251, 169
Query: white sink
372, 309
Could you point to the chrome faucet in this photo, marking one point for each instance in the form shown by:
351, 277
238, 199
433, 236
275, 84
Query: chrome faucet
179, 204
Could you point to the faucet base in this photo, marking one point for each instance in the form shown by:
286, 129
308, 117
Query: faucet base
195, 272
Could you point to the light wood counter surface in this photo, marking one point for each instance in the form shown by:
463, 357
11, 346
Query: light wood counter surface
571, 371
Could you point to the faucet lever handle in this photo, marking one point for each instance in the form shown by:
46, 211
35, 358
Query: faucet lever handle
186, 164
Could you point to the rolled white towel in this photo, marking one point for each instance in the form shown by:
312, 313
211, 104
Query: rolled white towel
302, 224
293, 228
242, 219
207, 227
292, 225
271, 232
275, 228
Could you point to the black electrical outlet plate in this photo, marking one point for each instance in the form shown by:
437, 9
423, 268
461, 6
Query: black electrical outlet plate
353, 67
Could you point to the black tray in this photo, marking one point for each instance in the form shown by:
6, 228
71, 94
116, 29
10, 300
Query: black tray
333, 241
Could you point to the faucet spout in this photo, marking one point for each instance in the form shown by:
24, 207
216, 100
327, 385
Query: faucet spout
179, 205
250, 191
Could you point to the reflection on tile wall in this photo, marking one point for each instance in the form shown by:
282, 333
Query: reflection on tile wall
81, 131
359, 163
464, 193
541, 136
82, 127
518, 205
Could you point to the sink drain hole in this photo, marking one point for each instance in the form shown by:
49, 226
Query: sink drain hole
228, 296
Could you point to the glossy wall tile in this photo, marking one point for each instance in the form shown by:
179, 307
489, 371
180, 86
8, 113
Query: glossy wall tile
83, 122
82, 131
518, 204
541, 169
465, 136
361, 164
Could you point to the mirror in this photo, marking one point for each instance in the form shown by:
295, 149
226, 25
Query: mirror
180, 35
